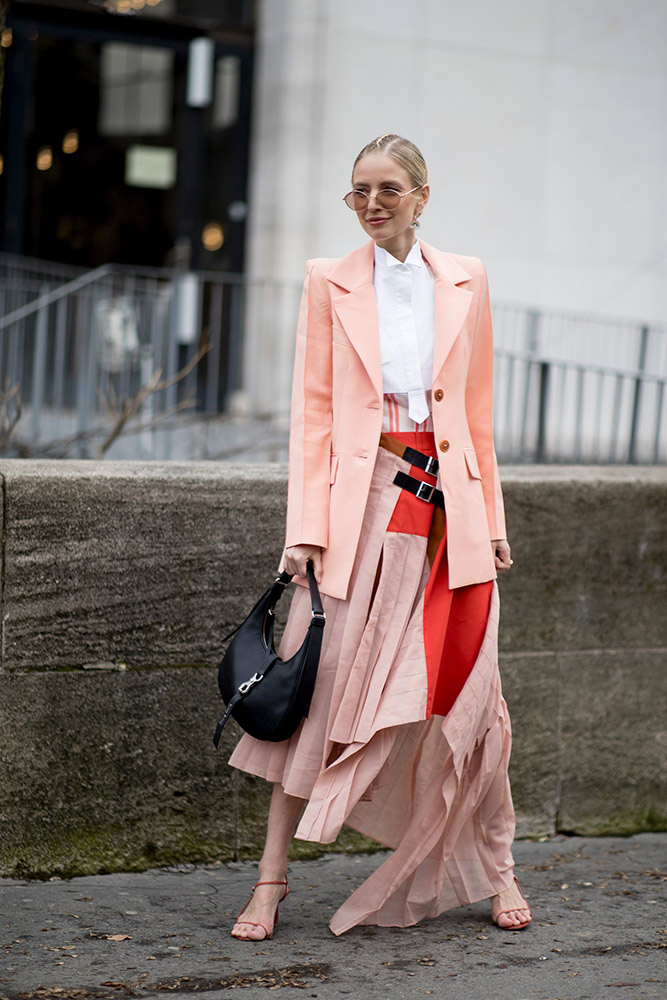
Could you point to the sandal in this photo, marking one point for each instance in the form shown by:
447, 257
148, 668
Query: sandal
515, 927
252, 923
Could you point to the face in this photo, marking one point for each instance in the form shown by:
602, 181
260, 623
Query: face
391, 227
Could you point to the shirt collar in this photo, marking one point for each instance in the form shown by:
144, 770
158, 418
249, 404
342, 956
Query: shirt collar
384, 260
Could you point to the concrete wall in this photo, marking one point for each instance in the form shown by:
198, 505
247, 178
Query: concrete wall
119, 582
543, 122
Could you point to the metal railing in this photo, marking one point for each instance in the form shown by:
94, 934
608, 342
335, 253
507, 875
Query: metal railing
103, 362
572, 388
83, 351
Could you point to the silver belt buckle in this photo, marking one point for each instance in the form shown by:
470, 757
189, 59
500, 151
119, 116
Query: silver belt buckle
425, 492
432, 467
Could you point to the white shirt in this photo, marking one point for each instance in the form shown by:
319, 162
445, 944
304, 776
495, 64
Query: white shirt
406, 320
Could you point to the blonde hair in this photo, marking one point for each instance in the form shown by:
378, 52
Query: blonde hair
404, 152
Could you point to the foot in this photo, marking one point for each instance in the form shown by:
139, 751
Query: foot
256, 920
509, 909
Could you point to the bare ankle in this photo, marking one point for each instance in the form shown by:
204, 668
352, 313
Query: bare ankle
272, 875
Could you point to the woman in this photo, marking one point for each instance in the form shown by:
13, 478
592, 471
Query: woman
408, 736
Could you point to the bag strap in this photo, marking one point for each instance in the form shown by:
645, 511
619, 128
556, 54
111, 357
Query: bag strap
315, 599
274, 594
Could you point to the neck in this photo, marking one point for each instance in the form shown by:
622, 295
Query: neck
400, 246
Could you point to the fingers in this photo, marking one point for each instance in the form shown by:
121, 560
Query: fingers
316, 560
292, 566
502, 554
297, 558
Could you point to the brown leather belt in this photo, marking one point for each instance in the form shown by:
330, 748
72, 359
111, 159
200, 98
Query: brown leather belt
424, 462
419, 488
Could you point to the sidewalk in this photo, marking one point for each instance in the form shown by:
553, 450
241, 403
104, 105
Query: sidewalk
599, 931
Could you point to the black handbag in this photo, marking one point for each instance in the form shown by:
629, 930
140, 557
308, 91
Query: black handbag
268, 696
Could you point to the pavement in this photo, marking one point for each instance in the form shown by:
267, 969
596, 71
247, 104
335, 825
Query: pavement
599, 931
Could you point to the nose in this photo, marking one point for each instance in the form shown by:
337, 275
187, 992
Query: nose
372, 200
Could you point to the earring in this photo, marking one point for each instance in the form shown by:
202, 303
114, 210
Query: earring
415, 224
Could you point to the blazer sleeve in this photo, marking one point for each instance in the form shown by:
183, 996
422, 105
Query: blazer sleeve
479, 410
311, 417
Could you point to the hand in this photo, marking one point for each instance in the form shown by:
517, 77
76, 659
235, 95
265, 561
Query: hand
501, 552
296, 557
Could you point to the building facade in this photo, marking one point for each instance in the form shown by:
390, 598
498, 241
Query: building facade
125, 131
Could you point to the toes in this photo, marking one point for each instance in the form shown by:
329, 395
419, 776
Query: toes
511, 918
248, 931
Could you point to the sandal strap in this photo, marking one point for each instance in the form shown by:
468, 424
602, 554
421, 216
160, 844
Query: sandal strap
284, 883
513, 909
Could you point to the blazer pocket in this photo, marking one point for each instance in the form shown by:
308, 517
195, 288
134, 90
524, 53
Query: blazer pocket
471, 462
334, 469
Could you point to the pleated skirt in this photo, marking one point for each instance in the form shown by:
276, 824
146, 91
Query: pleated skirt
374, 752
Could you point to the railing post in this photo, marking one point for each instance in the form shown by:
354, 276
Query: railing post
85, 372
658, 422
212, 397
543, 400
39, 367
636, 403
531, 348
233, 375
147, 435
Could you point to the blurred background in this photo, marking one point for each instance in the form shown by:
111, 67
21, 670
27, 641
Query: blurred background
167, 167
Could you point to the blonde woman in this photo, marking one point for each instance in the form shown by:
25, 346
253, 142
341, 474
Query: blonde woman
394, 496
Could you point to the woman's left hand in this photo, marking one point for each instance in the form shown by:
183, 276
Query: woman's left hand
501, 552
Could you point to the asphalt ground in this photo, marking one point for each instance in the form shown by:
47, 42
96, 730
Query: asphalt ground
599, 933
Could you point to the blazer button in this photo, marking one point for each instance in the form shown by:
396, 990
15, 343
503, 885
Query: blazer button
444, 446
438, 394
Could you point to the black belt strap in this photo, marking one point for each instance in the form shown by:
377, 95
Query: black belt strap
423, 491
424, 462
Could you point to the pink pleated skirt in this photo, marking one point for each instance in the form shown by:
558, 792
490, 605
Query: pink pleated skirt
434, 789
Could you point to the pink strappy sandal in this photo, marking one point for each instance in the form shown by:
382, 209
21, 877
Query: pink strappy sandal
515, 927
253, 923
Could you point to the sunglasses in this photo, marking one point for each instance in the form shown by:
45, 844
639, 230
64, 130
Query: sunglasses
386, 198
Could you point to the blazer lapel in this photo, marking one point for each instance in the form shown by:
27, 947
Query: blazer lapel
452, 302
355, 305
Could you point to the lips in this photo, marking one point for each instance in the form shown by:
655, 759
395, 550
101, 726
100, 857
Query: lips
377, 220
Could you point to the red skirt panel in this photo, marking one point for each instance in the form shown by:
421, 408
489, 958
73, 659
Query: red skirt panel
454, 620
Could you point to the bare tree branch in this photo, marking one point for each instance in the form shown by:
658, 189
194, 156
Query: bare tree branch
132, 406
119, 415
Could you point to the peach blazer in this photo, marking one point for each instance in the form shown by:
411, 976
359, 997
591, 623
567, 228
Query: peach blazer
337, 413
